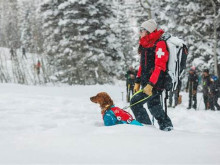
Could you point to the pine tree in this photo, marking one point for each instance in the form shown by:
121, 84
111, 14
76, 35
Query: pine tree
26, 26
84, 53
192, 21
124, 30
9, 24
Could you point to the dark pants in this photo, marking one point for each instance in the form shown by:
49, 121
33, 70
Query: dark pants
173, 95
130, 90
206, 101
192, 98
213, 100
154, 106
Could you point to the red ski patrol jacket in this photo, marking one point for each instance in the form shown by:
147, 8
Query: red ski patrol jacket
153, 63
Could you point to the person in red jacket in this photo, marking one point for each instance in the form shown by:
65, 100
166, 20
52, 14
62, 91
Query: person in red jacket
151, 76
37, 67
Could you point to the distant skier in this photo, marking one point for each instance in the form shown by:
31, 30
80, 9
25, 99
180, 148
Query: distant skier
24, 53
12, 53
38, 66
191, 87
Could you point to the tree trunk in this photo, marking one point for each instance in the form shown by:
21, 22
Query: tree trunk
215, 39
147, 8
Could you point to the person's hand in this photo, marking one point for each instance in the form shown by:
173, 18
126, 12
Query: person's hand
136, 87
194, 92
132, 76
148, 90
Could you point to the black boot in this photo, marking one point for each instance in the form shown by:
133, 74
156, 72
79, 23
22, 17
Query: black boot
165, 124
194, 107
157, 111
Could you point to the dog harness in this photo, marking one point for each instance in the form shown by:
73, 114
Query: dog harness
121, 114
115, 115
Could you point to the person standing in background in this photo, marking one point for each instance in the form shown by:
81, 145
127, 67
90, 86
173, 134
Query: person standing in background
24, 53
205, 87
38, 66
191, 87
213, 93
130, 78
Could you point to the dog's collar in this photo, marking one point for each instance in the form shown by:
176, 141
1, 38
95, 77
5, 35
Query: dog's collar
107, 107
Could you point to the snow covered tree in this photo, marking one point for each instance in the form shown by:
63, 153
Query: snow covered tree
31, 30
84, 53
50, 17
94, 41
10, 34
192, 21
123, 27
26, 26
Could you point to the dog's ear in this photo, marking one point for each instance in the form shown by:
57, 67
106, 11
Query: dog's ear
107, 100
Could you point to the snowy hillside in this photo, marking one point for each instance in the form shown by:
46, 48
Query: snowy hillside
21, 69
59, 125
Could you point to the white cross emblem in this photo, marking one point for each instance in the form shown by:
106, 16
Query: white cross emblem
160, 53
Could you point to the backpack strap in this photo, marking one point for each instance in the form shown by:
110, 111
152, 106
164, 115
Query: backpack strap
165, 102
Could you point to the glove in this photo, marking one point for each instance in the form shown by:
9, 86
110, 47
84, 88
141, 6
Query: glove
194, 92
136, 87
148, 90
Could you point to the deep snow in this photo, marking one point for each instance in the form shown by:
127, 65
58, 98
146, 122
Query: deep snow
59, 125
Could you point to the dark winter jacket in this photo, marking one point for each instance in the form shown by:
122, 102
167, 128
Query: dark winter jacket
154, 57
192, 82
206, 84
129, 79
213, 88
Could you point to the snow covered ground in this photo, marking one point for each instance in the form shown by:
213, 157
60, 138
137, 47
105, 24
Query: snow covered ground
59, 125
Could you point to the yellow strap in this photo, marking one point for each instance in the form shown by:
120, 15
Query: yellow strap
141, 90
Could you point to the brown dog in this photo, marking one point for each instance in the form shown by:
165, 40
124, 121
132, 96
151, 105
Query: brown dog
112, 115
104, 100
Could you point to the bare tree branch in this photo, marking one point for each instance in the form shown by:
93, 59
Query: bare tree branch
147, 8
